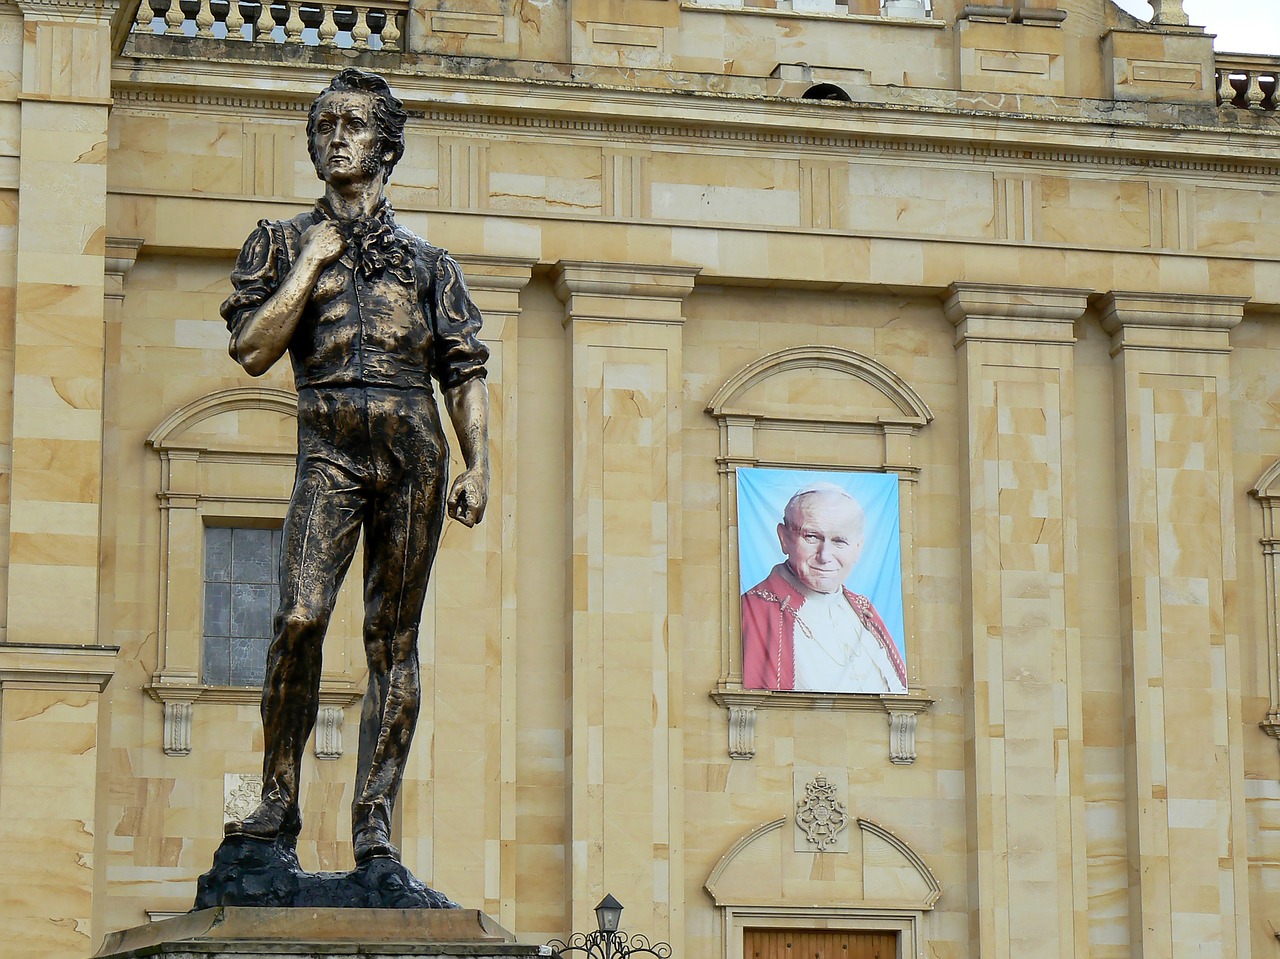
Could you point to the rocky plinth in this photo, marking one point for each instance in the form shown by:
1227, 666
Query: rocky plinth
254, 872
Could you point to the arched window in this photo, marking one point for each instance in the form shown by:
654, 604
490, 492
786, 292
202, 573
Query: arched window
226, 471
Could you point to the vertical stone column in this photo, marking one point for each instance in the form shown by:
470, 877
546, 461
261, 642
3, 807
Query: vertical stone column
1188, 891
51, 670
466, 739
59, 323
624, 332
1023, 719
49, 843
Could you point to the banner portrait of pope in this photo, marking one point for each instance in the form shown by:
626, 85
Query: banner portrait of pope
820, 553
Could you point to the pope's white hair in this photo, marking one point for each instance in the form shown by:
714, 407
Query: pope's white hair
821, 488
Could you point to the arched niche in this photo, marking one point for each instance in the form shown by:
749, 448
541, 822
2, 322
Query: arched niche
247, 419
820, 408
803, 383
227, 459
881, 883
1267, 492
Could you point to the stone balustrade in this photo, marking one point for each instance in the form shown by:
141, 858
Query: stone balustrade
1248, 81
349, 24
901, 9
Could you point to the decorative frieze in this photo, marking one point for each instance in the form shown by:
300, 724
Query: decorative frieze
1090, 146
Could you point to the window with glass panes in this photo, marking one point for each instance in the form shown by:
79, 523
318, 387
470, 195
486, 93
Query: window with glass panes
241, 590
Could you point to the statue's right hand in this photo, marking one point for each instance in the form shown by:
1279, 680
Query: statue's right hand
323, 241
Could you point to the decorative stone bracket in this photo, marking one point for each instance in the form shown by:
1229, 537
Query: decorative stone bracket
902, 712
179, 701
1271, 725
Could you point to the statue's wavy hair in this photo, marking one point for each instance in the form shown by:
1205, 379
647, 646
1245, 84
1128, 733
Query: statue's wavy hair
388, 113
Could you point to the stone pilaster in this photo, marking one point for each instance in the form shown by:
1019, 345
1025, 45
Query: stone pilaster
1024, 723
624, 331
462, 803
56, 487
1188, 887
50, 831
51, 671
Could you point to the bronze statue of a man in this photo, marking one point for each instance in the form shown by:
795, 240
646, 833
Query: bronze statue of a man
369, 313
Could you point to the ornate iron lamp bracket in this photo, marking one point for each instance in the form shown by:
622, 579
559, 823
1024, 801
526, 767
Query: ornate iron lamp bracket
608, 945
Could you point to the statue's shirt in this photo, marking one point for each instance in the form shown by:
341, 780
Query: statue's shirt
392, 311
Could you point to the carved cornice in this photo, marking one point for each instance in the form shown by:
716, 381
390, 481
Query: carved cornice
1197, 323
162, 97
954, 132
902, 710
623, 292
54, 665
1022, 314
121, 255
840, 702
67, 9
339, 693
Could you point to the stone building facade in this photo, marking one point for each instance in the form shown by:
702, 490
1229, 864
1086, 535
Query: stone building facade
1024, 256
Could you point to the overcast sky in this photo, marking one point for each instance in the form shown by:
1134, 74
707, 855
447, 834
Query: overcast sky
1242, 26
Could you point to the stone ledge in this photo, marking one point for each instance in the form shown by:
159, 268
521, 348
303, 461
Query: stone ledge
52, 664
246, 932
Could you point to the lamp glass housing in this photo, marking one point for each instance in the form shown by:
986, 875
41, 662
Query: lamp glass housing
608, 914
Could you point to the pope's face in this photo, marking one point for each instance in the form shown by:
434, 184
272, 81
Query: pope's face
346, 138
822, 539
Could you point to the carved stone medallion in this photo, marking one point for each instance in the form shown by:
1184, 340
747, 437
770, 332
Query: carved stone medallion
821, 815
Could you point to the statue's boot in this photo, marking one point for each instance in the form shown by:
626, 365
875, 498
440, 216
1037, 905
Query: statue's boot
371, 832
269, 821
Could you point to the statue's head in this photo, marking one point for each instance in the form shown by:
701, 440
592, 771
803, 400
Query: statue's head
388, 113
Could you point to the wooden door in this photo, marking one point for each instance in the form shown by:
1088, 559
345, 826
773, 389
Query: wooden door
818, 944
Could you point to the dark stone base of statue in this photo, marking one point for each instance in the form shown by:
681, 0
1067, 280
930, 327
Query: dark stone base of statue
254, 872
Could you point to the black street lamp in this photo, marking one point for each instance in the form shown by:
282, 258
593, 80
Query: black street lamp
608, 941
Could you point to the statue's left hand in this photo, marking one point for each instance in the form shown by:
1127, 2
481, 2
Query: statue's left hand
469, 496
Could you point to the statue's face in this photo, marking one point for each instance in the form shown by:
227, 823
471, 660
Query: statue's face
346, 138
822, 539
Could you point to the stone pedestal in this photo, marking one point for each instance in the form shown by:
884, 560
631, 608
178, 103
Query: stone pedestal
245, 932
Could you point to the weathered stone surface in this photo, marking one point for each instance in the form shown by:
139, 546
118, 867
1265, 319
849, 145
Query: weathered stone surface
252, 872
245, 932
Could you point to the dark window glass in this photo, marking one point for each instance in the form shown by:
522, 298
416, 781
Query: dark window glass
241, 589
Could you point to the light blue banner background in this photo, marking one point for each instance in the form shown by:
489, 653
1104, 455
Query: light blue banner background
762, 497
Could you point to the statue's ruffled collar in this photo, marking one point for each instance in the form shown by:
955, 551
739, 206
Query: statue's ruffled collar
374, 242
